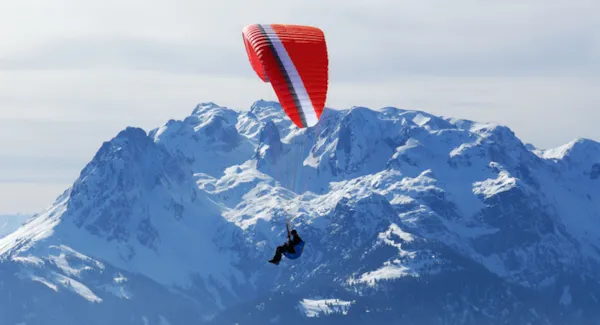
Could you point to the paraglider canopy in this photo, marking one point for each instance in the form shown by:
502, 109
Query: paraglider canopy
293, 58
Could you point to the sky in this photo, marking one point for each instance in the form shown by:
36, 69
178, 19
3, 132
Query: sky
73, 73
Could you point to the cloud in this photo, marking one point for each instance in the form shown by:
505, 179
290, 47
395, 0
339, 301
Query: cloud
374, 40
128, 54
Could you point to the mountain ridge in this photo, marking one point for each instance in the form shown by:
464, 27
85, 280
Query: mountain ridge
384, 198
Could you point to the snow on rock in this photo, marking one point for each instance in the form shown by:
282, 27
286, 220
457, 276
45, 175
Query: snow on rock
390, 270
386, 200
578, 150
565, 298
320, 307
208, 140
491, 187
272, 111
75, 286
270, 147
406, 262
118, 287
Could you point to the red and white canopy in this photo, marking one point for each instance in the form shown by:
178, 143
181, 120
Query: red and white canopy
293, 58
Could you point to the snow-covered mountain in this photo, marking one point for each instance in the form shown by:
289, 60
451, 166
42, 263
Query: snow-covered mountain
409, 218
11, 222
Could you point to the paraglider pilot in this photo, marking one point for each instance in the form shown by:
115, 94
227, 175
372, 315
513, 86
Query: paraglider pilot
287, 248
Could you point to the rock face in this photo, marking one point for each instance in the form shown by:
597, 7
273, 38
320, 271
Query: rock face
408, 218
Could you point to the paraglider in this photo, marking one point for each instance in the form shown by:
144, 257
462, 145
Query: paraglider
292, 249
294, 60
